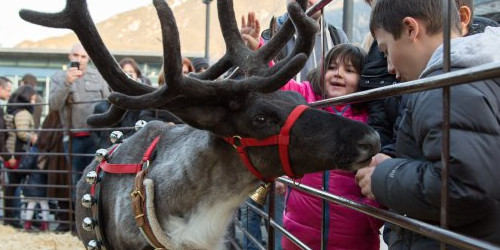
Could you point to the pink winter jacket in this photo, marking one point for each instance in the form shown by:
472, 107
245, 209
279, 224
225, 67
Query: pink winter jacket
347, 229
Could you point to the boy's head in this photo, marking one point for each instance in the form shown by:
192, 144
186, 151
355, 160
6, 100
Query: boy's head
408, 32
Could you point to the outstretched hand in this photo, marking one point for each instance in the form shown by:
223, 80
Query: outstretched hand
364, 175
250, 31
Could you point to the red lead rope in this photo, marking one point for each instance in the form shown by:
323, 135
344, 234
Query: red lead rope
282, 140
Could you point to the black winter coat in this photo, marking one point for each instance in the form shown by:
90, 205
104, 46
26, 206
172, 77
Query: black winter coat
382, 113
30, 162
410, 184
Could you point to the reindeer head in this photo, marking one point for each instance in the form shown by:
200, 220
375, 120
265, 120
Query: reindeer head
249, 107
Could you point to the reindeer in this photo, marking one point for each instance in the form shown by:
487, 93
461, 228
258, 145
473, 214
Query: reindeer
196, 175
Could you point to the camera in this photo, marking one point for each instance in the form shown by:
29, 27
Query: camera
74, 64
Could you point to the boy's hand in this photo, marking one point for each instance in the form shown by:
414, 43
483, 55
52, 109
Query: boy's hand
364, 181
364, 175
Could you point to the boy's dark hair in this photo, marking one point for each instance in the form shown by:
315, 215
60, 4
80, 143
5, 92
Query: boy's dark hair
347, 53
389, 15
468, 3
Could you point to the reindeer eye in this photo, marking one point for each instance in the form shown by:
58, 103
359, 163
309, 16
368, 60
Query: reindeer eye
259, 121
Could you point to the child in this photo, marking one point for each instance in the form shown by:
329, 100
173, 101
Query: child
411, 38
20, 117
347, 229
35, 194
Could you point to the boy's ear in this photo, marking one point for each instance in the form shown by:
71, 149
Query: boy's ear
411, 28
465, 18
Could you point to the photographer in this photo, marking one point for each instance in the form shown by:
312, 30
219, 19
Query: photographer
74, 93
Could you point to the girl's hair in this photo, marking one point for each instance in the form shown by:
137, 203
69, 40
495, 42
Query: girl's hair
346, 53
22, 95
25, 93
187, 62
161, 77
133, 63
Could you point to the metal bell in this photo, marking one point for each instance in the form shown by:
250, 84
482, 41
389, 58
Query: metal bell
88, 200
88, 224
101, 154
116, 137
140, 124
91, 177
260, 194
93, 245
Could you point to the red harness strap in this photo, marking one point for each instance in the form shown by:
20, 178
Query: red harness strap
129, 168
138, 195
282, 140
124, 168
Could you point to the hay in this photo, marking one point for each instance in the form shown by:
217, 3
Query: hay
11, 238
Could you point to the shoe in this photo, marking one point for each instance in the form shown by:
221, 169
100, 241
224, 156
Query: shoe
44, 226
62, 228
27, 225
14, 224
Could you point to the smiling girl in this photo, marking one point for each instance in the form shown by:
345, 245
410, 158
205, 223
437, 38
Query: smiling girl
346, 228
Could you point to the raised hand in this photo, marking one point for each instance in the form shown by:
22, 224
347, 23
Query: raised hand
250, 31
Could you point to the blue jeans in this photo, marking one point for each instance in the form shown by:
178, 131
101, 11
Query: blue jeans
279, 207
250, 220
80, 145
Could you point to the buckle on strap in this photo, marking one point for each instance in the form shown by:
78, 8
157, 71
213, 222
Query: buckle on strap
236, 141
136, 193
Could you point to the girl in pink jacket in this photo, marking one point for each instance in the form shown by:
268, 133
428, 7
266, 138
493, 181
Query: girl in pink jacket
347, 228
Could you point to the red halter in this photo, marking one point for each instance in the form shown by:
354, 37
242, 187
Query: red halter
282, 140
122, 168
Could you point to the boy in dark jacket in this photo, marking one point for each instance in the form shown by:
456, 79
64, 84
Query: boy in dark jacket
410, 184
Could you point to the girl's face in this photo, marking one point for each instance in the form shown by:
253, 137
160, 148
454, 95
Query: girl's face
185, 69
129, 70
340, 79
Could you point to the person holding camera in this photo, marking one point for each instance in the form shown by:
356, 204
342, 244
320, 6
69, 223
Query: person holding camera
73, 93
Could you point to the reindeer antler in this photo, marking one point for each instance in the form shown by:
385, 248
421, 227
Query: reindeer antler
253, 64
75, 16
183, 90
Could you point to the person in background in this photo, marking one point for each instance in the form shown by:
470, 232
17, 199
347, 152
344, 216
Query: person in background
303, 216
30, 79
250, 32
74, 93
410, 34
200, 64
51, 141
187, 66
35, 191
20, 118
131, 68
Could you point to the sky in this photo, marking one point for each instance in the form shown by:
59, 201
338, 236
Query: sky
14, 30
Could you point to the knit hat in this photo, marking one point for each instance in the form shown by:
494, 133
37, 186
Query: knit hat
199, 62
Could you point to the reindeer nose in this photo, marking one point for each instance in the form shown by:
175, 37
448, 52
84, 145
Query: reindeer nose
369, 145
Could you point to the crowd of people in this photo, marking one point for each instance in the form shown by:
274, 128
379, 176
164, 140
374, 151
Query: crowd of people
405, 43
75, 93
